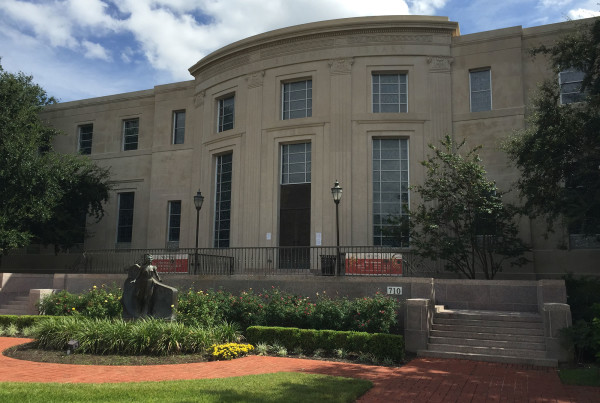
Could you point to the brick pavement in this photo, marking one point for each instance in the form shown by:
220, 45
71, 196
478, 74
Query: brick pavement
421, 380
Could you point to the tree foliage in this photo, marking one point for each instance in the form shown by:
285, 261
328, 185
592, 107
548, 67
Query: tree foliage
41, 192
558, 153
462, 219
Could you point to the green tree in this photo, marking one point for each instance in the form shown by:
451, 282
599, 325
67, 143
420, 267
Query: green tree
558, 153
40, 189
462, 219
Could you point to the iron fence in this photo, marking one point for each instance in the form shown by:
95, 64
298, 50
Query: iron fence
259, 261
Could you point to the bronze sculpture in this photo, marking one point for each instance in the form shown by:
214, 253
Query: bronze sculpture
144, 294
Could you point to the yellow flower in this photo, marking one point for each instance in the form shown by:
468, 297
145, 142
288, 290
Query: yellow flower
172, 306
105, 300
95, 287
73, 308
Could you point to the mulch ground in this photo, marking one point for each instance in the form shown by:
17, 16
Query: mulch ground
421, 380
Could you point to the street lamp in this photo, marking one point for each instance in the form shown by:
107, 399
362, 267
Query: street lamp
336, 192
198, 200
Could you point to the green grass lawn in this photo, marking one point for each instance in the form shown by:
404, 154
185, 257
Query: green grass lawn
285, 387
580, 376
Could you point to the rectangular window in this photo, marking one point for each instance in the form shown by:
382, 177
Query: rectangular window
296, 99
223, 200
178, 127
570, 81
130, 134
174, 224
295, 163
390, 189
125, 223
480, 82
390, 93
226, 110
85, 139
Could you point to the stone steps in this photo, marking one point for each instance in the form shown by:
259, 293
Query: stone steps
502, 344
538, 362
16, 306
497, 329
507, 337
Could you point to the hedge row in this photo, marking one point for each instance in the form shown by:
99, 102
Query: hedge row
21, 322
381, 345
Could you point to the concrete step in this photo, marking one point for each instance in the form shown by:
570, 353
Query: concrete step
14, 311
538, 362
489, 329
18, 305
507, 352
488, 336
488, 315
486, 323
487, 343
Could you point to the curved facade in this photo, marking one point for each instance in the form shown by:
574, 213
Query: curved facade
270, 122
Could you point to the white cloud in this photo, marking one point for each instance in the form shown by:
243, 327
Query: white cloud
91, 14
171, 35
426, 7
95, 51
583, 13
554, 3
48, 21
127, 55
182, 40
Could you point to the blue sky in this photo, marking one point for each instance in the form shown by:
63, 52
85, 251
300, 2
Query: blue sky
80, 49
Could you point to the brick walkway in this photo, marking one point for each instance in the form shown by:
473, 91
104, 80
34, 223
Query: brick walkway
421, 380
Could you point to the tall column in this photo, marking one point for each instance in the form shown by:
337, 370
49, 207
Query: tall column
339, 150
250, 171
440, 97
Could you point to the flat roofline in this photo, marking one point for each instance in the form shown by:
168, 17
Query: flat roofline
122, 97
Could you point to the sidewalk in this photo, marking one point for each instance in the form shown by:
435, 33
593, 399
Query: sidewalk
421, 380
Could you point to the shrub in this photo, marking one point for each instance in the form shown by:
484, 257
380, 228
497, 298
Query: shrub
198, 308
21, 322
262, 349
271, 307
150, 336
584, 338
98, 302
582, 294
379, 345
278, 308
230, 350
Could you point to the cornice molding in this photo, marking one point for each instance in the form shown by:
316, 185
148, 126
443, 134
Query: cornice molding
255, 79
325, 35
341, 66
440, 63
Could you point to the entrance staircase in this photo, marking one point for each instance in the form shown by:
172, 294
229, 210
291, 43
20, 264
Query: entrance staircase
18, 305
493, 336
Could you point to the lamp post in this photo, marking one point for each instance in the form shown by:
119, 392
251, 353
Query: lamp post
198, 200
336, 192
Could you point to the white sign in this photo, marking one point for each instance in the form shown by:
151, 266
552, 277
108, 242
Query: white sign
318, 239
394, 290
268, 236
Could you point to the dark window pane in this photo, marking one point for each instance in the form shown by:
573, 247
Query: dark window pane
125, 217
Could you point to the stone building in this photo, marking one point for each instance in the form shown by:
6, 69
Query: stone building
268, 123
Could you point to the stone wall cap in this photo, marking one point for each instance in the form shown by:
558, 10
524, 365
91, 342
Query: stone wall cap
556, 306
465, 281
556, 283
417, 301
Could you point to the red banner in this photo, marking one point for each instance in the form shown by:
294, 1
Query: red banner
373, 263
171, 263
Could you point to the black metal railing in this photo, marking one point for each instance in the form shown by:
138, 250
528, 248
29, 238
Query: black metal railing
314, 260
